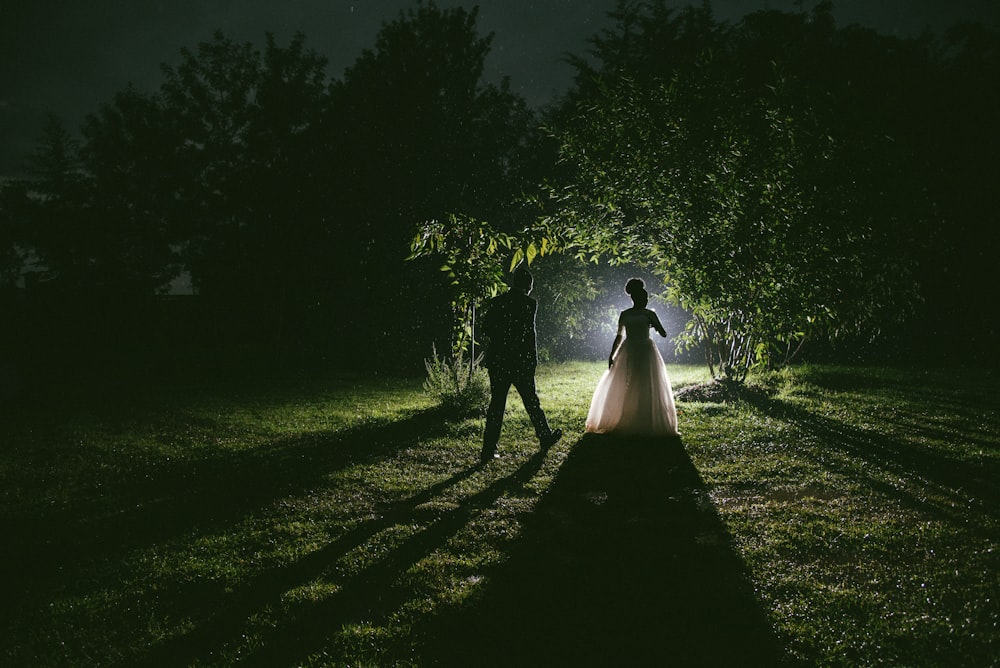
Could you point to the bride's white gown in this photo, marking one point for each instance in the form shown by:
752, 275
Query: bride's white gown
634, 396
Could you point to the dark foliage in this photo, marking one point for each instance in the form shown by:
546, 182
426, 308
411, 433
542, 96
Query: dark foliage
782, 176
290, 199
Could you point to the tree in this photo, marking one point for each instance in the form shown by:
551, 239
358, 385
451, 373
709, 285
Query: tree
58, 222
54, 197
256, 228
283, 192
245, 126
423, 139
95, 212
736, 189
132, 175
472, 252
958, 147
416, 109
13, 202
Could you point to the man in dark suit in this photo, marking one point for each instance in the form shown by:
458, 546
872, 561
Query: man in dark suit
511, 358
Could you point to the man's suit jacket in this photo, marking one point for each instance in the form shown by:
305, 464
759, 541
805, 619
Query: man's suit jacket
509, 325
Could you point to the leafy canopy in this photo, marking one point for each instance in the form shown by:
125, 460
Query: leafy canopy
732, 182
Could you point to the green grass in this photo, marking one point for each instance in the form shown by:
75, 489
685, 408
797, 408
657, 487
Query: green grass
837, 517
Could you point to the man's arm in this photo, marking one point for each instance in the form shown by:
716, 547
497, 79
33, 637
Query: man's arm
531, 331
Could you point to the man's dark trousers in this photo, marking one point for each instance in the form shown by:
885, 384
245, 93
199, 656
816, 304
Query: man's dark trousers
500, 382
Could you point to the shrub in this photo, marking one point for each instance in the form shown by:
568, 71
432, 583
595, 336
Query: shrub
457, 387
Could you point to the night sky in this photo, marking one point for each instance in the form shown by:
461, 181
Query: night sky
70, 56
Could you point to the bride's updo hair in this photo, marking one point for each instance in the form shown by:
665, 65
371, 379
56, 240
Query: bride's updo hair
636, 289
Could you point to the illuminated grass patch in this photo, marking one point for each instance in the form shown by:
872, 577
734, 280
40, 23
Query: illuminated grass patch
841, 517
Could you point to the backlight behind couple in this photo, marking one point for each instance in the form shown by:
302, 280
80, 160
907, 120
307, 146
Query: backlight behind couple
633, 397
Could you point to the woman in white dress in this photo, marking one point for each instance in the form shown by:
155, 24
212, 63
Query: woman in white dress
634, 396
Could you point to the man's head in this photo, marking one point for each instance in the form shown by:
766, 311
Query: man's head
520, 279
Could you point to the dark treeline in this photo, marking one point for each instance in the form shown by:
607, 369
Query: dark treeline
290, 198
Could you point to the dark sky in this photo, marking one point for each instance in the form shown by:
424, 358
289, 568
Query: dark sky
69, 56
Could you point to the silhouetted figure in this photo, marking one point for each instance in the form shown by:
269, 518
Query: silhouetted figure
634, 396
511, 358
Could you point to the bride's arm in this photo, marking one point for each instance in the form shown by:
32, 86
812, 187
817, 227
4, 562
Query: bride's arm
655, 322
618, 340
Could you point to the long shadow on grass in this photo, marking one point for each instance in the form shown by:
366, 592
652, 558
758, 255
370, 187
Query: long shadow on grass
903, 460
194, 497
219, 617
624, 562
938, 404
375, 593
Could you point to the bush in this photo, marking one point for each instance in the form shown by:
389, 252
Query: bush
724, 390
455, 387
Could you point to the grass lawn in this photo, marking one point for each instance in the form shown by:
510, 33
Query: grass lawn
837, 517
